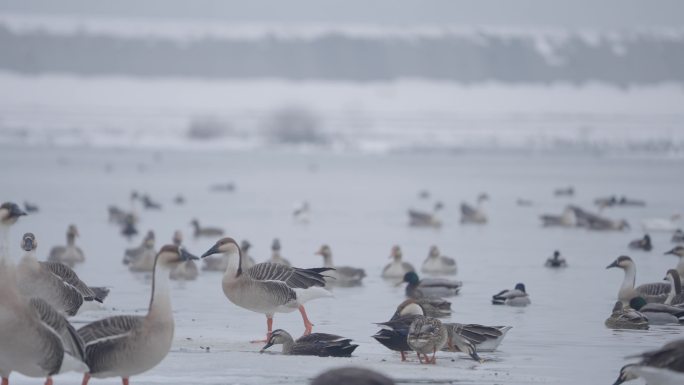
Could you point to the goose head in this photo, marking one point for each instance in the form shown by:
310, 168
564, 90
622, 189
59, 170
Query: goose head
275, 245
677, 251
521, 287
149, 239
637, 303
622, 262
10, 213
72, 231
434, 252
225, 245
626, 374
324, 251
195, 223
177, 237
396, 253
171, 256
28, 242
278, 336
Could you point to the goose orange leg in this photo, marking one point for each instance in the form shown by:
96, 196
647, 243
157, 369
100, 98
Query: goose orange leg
124, 380
403, 356
5, 381
48, 381
269, 329
86, 378
308, 326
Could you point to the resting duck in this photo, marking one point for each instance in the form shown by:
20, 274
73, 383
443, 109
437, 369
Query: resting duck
425, 219
70, 254
427, 335
344, 276
430, 287
397, 268
432, 307
658, 313
515, 297
556, 260
476, 215
642, 244
624, 317
314, 344
435, 263
652, 292
275, 254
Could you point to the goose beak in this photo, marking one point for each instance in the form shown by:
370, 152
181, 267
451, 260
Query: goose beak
186, 256
214, 250
268, 345
614, 264
16, 211
28, 244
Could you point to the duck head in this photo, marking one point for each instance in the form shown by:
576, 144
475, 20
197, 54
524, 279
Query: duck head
411, 278
556, 255
396, 252
72, 231
521, 287
278, 336
28, 242
637, 303
10, 213
149, 239
622, 262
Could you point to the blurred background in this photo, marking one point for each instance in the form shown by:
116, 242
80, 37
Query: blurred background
345, 75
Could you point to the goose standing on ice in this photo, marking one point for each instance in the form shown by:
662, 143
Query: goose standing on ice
435, 263
185, 271
314, 344
678, 251
344, 276
652, 292
664, 366
641, 244
205, 231
430, 287
397, 268
126, 345
515, 297
470, 214
36, 340
269, 288
275, 254
425, 219
53, 282
70, 254
556, 260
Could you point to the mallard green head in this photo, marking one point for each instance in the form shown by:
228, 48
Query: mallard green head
637, 303
411, 277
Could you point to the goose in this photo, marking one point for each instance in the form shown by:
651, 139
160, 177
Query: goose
351, 375
143, 254
641, 244
53, 282
658, 313
430, 287
344, 276
269, 288
624, 317
127, 345
425, 219
678, 251
185, 271
664, 366
678, 236
276, 258
567, 219
470, 214
397, 268
516, 297
70, 254
37, 341
205, 231
564, 191
427, 335
652, 292
662, 224
314, 344
435, 263
556, 260
432, 307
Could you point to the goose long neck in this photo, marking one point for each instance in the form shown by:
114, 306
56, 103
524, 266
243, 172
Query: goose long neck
4, 243
288, 345
160, 302
71, 239
327, 260
234, 268
630, 278
7, 268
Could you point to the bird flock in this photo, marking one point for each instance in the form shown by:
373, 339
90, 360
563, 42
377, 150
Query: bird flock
38, 297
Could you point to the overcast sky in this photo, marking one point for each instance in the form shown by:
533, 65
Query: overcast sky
526, 13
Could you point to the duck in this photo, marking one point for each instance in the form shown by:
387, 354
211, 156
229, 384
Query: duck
516, 297
128, 228
435, 263
70, 254
430, 287
662, 224
351, 375
624, 317
393, 333
205, 231
678, 236
556, 260
276, 258
476, 215
678, 251
54, 282
37, 341
149, 203
185, 271
397, 268
658, 313
664, 366
269, 288
426, 219
484, 338
432, 307
641, 244
314, 344
127, 345
566, 219
344, 276
652, 292
144, 252
427, 335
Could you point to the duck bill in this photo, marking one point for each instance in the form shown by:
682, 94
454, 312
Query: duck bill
268, 345
214, 250
614, 264
187, 256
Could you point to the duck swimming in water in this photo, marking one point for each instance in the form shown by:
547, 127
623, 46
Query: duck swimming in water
430, 287
476, 215
397, 268
624, 317
515, 297
642, 244
435, 263
556, 260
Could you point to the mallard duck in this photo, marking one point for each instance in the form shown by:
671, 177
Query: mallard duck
515, 297
664, 366
432, 307
427, 335
626, 318
435, 263
556, 260
658, 313
641, 244
70, 254
397, 268
476, 215
393, 333
314, 344
344, 276
430, 287
652, 292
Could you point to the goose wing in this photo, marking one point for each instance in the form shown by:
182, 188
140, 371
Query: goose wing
105, 339
653, 289
72, 343
69, 278
293, 277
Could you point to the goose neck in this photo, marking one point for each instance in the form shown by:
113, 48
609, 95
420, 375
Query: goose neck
630, 277
288, 345
160, 302
234, 268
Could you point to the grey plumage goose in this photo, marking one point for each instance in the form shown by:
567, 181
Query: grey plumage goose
269, 288
427, 335
344, 276
70, 254
124, 346
314, 344
664, 366
624, 317
436, 263
397, 268
425, 219
476, 215
53, 282
275, 254
651, 292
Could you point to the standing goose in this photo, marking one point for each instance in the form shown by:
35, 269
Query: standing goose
427, 335
397, 268
470, 214
314, 344
641, 244
205, 231
664, 366
678, 251
53, 282
275, 254
36, 340
430, 287
425, 219
515, 297
124, 346
143, 252
652, 292
658, 313
624, 317
344, 276
269, 288
435, 263
70, 254
185, 271
556, 260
